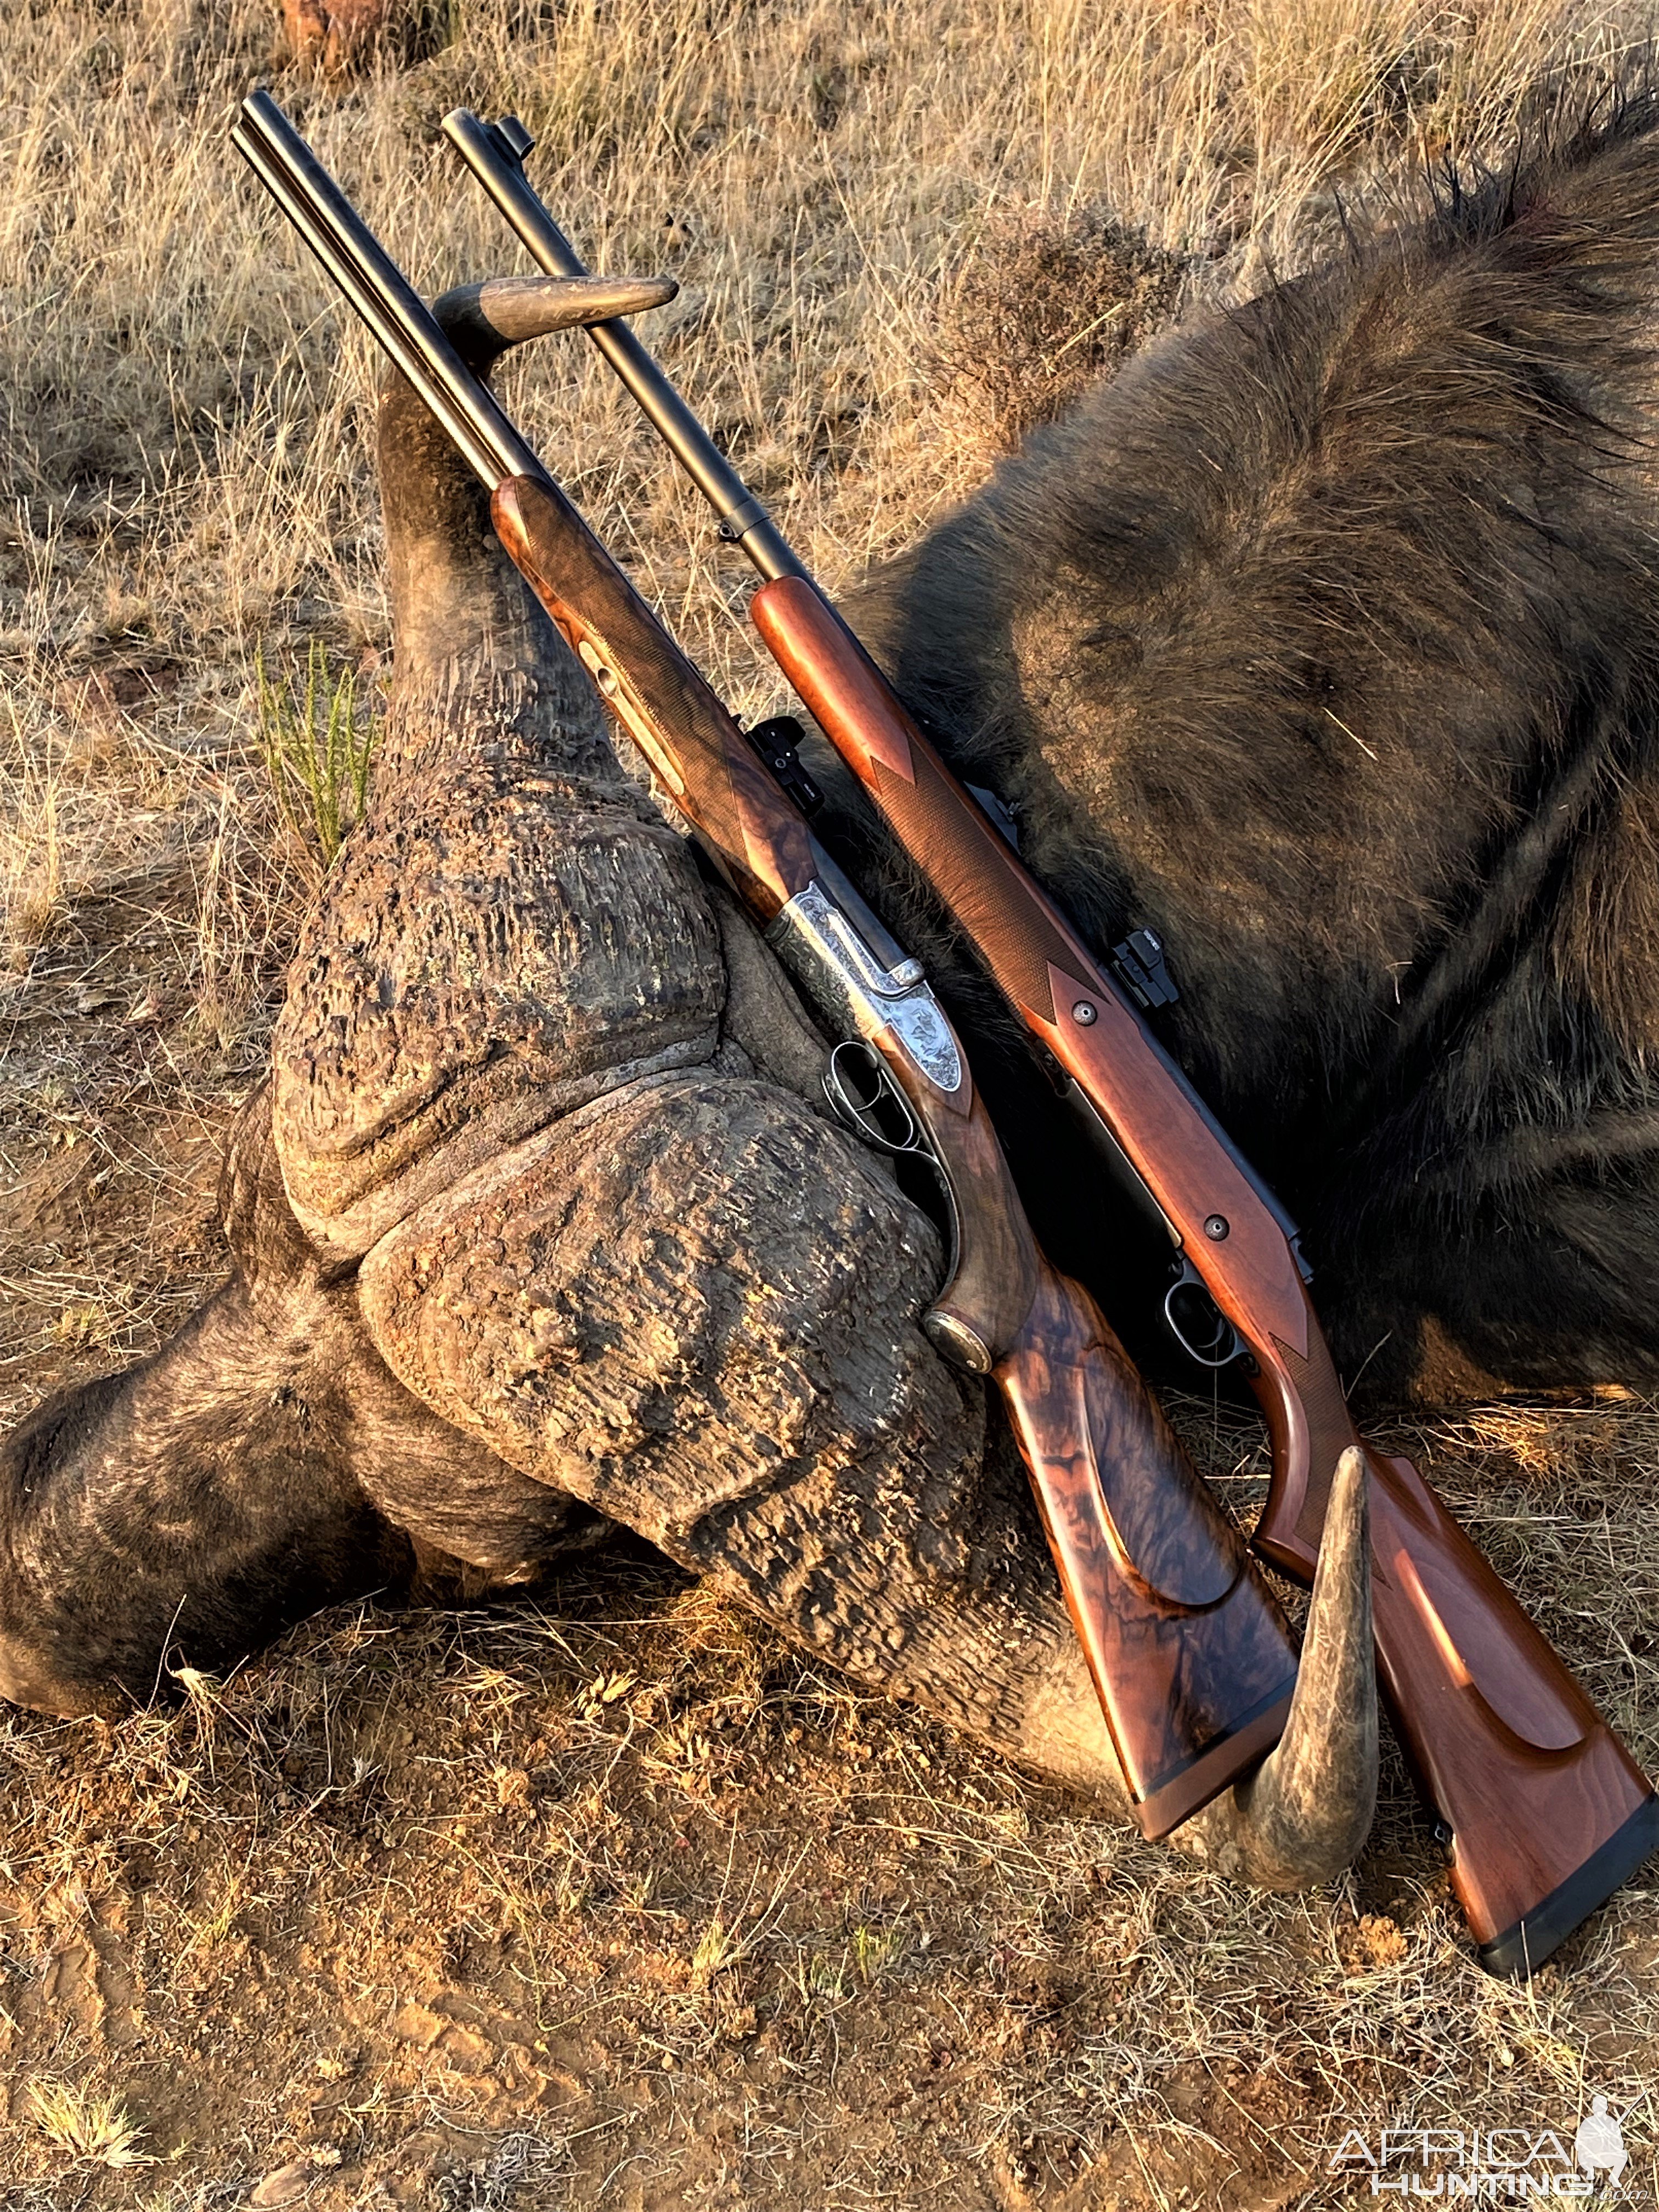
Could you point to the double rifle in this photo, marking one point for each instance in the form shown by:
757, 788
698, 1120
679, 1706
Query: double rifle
1545, 1812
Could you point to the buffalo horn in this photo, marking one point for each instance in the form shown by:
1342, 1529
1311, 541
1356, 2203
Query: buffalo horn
484, 319
1302, 1817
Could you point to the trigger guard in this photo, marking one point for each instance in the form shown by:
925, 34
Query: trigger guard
1188, 1279
858, 1116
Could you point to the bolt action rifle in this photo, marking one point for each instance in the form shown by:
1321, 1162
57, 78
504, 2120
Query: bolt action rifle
1547, 1812
1191, 1658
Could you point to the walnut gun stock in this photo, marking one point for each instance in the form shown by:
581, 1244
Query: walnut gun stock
1546, 1811
1192, 1659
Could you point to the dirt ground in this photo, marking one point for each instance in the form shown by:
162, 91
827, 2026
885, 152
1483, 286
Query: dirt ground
612, 1898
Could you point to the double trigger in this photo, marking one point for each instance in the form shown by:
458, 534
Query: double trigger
859, 1087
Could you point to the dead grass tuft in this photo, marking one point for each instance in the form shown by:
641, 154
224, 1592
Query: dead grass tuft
95, 2129
1048, 306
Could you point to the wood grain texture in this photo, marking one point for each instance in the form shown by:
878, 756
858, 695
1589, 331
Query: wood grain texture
1191, 1658
708, 770
1193, 1661
1527, 1775
1521, 1767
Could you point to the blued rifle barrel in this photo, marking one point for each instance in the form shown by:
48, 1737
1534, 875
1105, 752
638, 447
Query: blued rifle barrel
376, 287
495, 153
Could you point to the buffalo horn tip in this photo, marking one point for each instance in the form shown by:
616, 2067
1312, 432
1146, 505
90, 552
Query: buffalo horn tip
1303, 1816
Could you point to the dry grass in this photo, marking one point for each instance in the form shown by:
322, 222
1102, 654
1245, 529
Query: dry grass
86, 2127
633, 1906
1051, 304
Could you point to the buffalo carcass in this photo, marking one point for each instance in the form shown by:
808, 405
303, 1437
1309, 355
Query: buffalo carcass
540, 1224
1324, 640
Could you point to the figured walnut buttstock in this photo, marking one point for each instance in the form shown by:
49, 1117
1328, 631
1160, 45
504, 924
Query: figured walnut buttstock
1191, 1658
1547, 1811
1193, 1662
